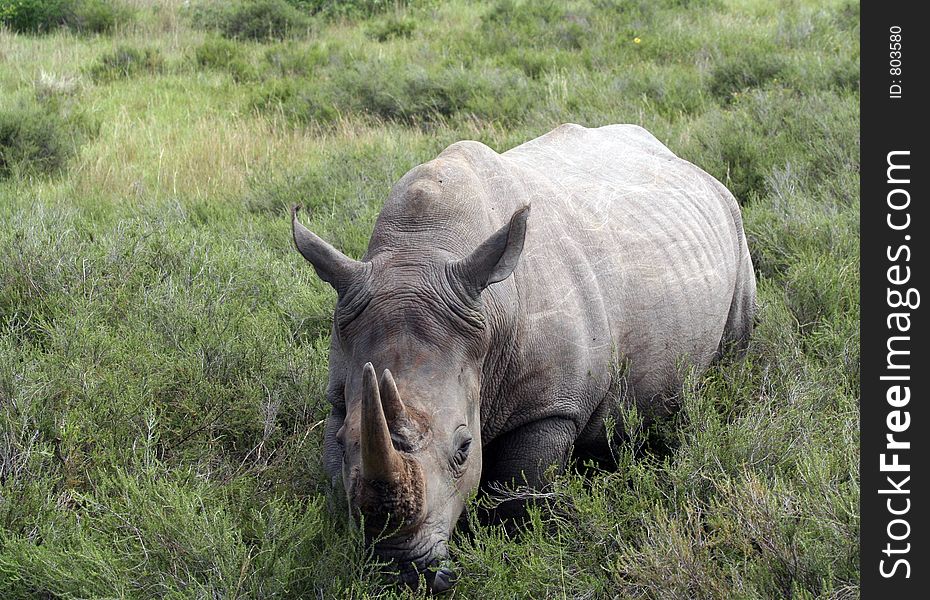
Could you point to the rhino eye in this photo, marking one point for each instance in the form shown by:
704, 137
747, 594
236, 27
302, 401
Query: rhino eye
462, 450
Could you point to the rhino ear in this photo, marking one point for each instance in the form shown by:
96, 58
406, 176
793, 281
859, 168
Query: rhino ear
496, 258
333, 267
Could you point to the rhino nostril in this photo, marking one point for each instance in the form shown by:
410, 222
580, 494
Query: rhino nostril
443, 581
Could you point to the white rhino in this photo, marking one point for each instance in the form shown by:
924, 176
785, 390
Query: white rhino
495, 332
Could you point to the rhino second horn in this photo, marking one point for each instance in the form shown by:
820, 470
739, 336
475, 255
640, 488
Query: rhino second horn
380, 461
390, 399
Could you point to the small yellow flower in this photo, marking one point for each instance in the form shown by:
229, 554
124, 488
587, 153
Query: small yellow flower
636, 40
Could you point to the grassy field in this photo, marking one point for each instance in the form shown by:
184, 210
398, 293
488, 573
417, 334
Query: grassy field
163, 348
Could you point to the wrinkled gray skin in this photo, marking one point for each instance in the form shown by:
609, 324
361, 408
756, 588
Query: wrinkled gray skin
468, 320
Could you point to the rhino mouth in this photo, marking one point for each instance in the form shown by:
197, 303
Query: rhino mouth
438, 580
408, 567
405, 559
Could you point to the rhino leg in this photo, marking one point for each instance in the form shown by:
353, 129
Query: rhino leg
741, 318
332, 453
742, 315
522, 459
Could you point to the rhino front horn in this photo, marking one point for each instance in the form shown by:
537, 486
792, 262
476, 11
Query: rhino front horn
380, 461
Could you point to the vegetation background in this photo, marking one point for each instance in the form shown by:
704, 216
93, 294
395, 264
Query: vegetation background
163, 348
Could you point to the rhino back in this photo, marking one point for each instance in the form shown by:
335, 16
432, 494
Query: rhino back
630, 253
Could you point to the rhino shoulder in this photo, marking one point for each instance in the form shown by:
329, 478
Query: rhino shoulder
570, 139
470, 151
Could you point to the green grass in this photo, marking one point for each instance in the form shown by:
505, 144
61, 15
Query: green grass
163, 349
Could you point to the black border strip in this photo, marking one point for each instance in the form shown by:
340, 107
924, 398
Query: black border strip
893, 119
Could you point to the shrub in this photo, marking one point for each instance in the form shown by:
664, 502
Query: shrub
33, 16
535, 63
670, 91
764, 130
264, 19
391, 27
544, 24
225, 55
98, 16
845, 75
218, 53
32, 141
259, 20
818, 288
289, 59
403, 92
306, 101
42, 16
514, 13
744, 72
126, 61
848, 16
360, 9
497, 94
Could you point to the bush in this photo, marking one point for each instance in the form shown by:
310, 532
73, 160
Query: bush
33, 16
126, 61
396, 92
392, 27
514, 13
359, 9
535, 63
546, 24
39, 134
218, 53
32, 141
764, 130
307, 101
225, 55
42, 16
98, 16
259, 20
264, 19
744, 72
401, 92
820, 288
289, 59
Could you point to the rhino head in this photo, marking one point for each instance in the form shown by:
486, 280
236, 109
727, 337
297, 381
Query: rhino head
409, 439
